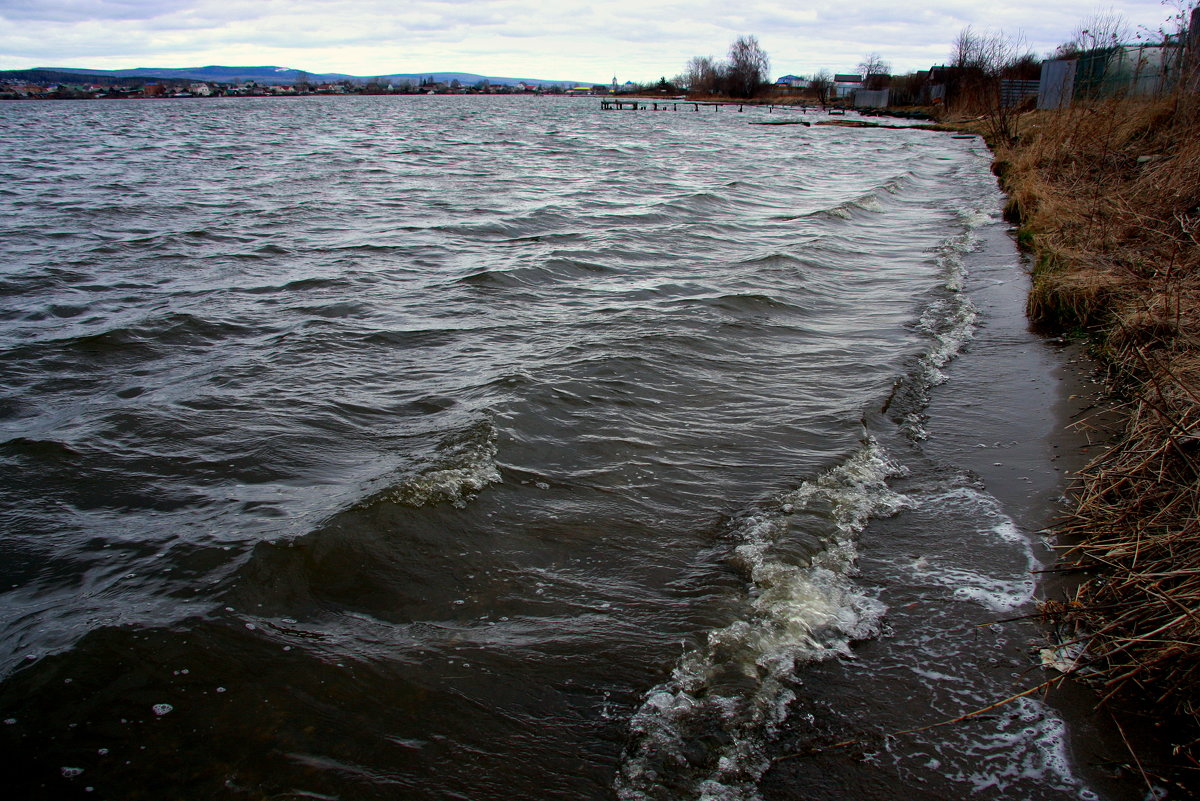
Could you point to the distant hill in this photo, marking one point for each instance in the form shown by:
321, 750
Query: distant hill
264, 75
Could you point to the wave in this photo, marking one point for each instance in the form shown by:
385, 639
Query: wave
702, 202
39, 450
297, 285
463, 465
741, 304
553, 270
535, 222
702, 733
562, 236
948, 323
788, 264
870, 201
144, 339
337, 310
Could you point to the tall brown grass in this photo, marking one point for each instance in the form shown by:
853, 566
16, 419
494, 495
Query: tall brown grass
1109, 195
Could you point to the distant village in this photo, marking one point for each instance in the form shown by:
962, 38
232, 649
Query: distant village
854, 89
85, 87
850, 89
1110, 69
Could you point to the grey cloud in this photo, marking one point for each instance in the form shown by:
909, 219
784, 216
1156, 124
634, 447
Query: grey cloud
79, 10
570, 36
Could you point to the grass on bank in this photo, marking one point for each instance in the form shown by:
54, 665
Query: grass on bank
1108, 197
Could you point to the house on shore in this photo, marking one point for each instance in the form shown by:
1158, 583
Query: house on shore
793, 82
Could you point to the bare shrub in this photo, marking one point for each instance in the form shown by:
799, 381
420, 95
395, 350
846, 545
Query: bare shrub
979, 61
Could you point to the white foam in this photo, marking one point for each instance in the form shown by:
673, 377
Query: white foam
951, 262
465, 464
455, 485
1064, 658
737, 684
948, 322
1000, 590
869, 203
951, 325
1028, 744
977, 218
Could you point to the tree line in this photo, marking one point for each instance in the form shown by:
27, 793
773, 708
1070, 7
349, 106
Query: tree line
970, 79
745, 73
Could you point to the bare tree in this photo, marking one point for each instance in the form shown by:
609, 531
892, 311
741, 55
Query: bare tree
702, 75
748, 66
874, 69
1189, 31
741, 76
979, 62
822, 85
1094, 45
967, 49
1101, 30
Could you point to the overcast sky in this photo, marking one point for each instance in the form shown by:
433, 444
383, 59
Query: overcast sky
562, 39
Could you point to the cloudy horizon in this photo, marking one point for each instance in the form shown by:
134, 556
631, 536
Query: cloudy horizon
638, 41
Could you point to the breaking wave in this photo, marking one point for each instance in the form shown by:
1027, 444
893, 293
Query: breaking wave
463, 464
701, 734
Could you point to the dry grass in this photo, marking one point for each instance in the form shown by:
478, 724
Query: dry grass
1109, 197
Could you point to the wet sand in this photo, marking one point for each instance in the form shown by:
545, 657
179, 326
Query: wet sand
1025, 411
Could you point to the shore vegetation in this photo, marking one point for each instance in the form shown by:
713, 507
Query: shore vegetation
1106, 193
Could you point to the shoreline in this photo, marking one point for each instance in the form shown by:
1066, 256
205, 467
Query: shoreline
1099, 218
996, 395
986, 428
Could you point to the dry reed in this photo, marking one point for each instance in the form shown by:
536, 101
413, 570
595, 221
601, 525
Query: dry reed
1109, 197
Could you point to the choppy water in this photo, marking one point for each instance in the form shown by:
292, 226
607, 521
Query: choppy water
473, 448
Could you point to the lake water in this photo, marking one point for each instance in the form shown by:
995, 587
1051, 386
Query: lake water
493, 448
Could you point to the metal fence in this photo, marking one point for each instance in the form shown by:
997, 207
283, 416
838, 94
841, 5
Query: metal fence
872, 98
1121, 71
1012, 92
